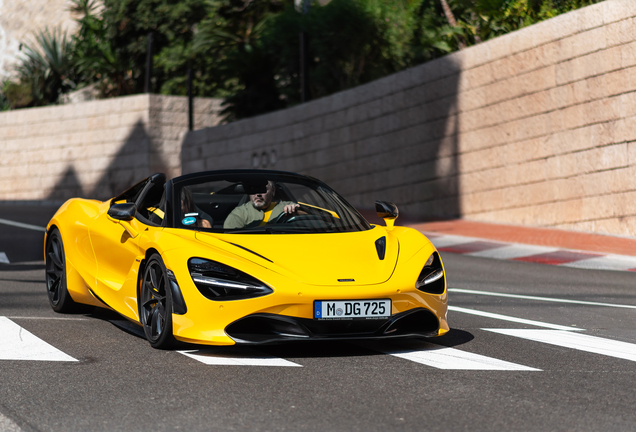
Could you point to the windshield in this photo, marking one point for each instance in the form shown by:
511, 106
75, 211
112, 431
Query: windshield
252, 203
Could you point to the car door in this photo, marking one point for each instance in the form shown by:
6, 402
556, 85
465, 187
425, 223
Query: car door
116, 247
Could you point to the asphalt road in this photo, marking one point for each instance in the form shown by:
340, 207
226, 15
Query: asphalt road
522, 362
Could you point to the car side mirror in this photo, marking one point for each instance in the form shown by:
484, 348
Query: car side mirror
387, 211
123, 211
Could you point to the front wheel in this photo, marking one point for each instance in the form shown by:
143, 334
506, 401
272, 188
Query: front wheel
59, 297
155, 304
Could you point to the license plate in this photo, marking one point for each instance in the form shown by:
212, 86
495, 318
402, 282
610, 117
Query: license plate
352, 309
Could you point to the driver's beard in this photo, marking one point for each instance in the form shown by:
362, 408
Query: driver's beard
259, 206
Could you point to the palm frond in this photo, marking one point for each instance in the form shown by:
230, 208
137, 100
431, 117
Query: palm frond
84, 7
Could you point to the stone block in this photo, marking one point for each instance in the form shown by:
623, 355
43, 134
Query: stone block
480, 160
615, 10
620, 32
480, 75
628, 54
474, 99
590, 17
334, 120
581, 44
474, 56
392, 102
447, 66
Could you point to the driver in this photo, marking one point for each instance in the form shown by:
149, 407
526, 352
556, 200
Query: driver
260, 208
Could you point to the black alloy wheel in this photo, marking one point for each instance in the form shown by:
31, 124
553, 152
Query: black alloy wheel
155, 304
59, 297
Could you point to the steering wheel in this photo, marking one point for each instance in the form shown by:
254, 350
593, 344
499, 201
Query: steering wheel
285, 217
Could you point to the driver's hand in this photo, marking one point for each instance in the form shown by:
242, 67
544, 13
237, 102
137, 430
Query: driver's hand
291, 208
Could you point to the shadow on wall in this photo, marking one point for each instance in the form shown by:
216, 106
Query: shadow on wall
399, 145
135, 160
419, 169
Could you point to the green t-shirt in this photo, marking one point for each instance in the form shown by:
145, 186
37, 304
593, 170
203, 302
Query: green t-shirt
246, 216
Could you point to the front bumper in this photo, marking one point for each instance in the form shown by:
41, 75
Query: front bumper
264, 328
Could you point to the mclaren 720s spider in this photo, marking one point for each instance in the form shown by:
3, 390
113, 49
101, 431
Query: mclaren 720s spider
244, 257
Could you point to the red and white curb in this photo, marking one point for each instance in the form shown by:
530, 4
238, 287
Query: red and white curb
530, 253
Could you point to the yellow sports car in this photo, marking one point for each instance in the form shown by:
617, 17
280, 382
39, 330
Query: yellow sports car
244, 257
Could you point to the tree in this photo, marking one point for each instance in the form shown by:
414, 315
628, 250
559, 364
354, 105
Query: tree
486, 19
128, 23
244, 68
96, 57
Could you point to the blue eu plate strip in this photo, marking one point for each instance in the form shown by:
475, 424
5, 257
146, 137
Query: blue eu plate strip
317, 309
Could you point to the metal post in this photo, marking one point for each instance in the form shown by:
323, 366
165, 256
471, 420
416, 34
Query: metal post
190, 101
304, 57
304, 67
149, 62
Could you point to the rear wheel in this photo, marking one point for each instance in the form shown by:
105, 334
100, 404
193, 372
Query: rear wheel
59, 297
155, 304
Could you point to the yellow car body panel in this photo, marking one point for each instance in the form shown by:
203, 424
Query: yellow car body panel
105, 256
294, 297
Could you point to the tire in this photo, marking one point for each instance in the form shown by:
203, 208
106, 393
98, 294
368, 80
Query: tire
155, 304
59, 297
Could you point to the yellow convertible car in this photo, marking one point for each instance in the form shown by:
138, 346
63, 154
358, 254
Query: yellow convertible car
244, 257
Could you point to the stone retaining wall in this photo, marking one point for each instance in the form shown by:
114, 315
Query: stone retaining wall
536, 127
94, 149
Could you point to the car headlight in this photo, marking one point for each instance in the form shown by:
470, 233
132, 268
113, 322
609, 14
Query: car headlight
431, 279
220, 282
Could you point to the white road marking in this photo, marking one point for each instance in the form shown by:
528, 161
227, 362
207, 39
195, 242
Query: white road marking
577, 341
4, 258
451, 240
222, 357
607, 262
441, 357
512, 319
25, 263
47, 318
18, 344
22, 225
513, 251
6, 425
549, 299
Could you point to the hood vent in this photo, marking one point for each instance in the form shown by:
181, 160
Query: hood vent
380, 246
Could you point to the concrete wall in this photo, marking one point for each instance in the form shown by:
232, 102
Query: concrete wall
537, 127
94, 149
20, 19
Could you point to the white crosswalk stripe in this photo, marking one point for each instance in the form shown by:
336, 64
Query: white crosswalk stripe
225, 357
512, 319
441, 357
4, 258
577, 341
17, 343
